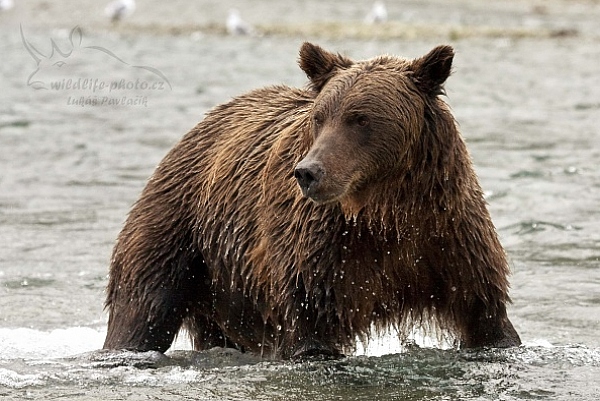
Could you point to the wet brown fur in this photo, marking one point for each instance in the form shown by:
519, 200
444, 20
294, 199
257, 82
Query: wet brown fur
223, 243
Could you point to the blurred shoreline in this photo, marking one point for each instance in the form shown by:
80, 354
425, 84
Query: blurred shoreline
454, 20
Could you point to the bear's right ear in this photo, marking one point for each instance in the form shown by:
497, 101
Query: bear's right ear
319, 64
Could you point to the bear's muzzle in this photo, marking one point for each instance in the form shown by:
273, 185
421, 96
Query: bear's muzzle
309, 175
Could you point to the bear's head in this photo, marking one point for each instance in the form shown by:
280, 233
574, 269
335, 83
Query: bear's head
366, 117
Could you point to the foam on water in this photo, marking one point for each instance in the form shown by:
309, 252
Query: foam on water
34, 358
23, 343
12, 379
30, 344
43, 363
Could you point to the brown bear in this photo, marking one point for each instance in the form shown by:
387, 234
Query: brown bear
290, 222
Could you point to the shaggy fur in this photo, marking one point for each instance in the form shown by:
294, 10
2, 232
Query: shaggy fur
392, 228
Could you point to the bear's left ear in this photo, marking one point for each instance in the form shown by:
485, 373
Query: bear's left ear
431, 71
319, 64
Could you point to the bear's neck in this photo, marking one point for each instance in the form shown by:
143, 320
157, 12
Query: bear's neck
436, 185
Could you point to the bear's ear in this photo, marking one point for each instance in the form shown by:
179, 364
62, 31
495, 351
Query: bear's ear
319, 64
431, 71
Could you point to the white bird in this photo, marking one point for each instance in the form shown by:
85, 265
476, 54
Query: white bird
6, 5
378, 13
236, 25
119, 9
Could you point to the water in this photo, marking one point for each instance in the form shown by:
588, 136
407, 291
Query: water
528, 105
529, 372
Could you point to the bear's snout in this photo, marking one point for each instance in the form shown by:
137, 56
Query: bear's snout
308, 174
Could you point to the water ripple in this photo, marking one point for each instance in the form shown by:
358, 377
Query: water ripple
526, 372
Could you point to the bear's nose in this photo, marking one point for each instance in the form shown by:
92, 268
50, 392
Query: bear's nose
308, 174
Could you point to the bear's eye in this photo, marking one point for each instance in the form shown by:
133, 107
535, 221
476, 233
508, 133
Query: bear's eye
318, 119
362, 121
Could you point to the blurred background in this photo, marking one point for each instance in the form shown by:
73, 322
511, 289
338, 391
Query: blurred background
93, 94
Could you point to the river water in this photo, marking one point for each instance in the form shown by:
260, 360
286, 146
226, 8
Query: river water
74, 157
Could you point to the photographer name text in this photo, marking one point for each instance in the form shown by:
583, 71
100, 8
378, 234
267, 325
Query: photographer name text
94, 101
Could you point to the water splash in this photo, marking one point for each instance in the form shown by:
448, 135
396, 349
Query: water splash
414, 372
